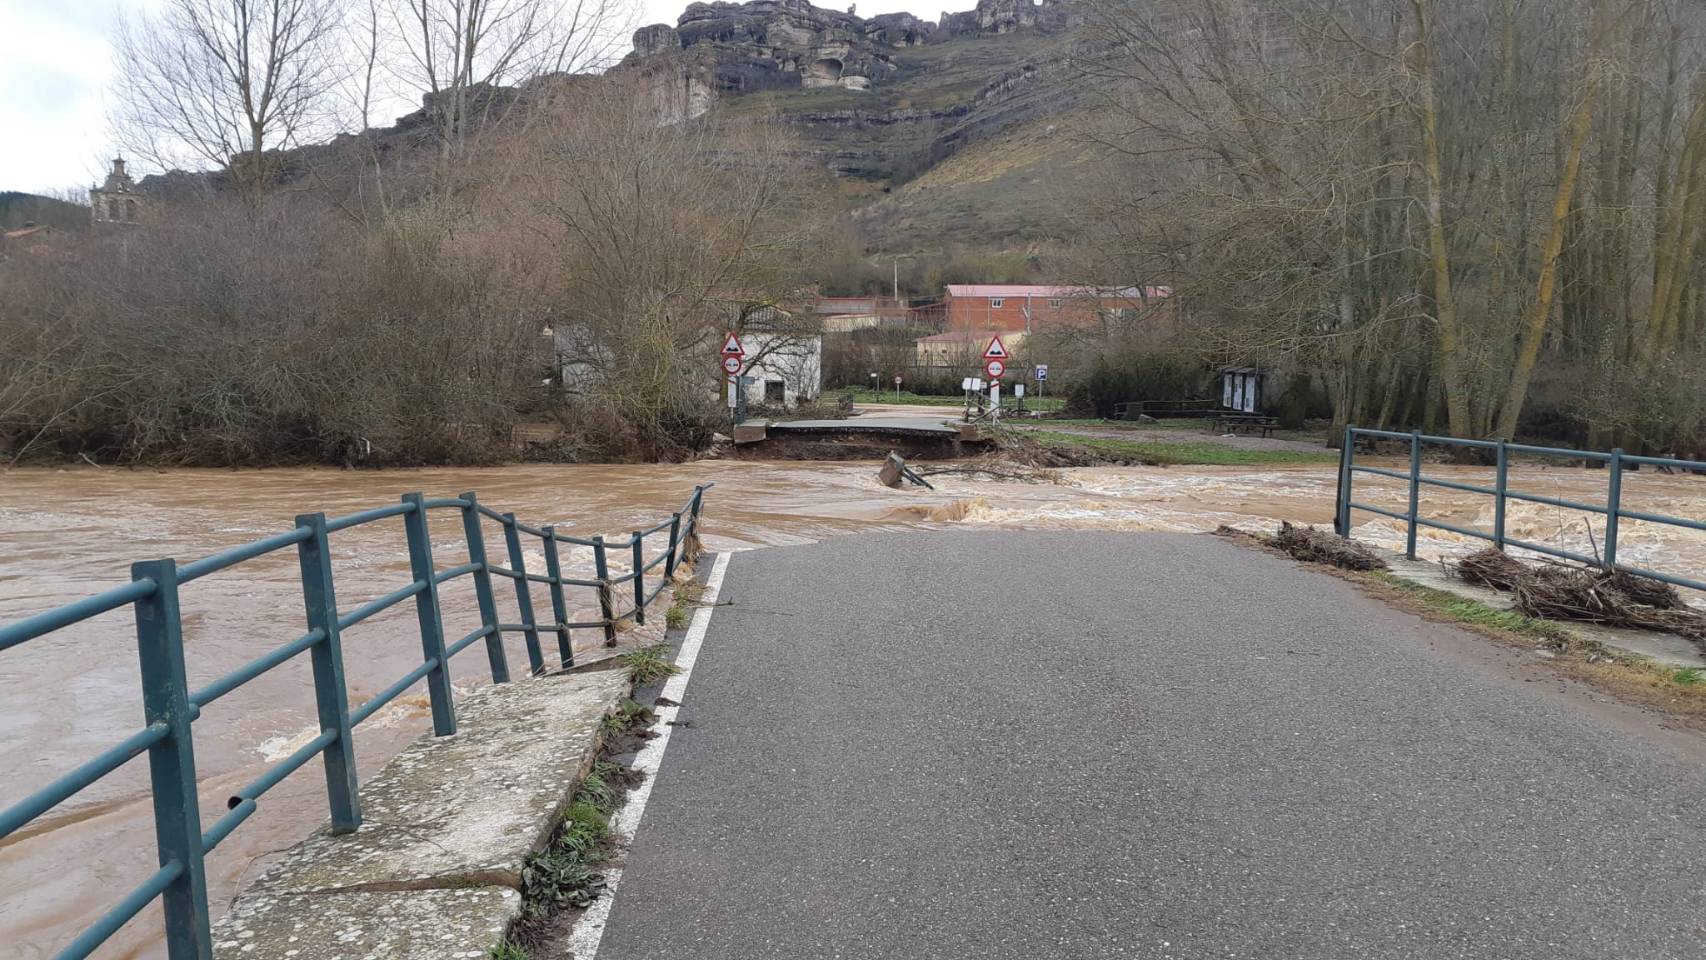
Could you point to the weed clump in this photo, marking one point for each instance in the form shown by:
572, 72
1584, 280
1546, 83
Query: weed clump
675, 617
1315, 546
649, 664
627, 715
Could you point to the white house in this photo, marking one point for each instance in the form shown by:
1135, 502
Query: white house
782, 369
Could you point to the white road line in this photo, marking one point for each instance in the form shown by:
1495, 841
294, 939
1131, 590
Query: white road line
589, 929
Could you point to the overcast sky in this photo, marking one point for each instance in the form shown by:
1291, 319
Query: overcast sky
56, 63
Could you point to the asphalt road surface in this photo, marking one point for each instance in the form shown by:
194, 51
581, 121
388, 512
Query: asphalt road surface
1071, 745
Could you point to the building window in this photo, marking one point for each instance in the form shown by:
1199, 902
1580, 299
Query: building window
1054, 303
996, 302
130, 210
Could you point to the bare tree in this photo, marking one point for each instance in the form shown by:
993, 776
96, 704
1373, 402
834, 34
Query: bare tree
662, 237
222, 82
458, 53
1436, 206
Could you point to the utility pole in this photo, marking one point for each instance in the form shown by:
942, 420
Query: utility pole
895, 262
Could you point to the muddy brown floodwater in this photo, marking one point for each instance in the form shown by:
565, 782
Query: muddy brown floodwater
65, 534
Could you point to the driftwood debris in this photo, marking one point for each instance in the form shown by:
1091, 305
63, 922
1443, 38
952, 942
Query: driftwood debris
1316, 546
1557, 591
1319, 546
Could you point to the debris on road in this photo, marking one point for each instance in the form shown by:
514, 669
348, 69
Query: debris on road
1316, 546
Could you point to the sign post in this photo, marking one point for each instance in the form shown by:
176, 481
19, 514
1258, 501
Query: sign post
734, 357
995, 357
897, 388
1042, 378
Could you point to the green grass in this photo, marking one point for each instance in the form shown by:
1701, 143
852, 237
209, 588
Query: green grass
675, 617
1183, 452
1474, 612
1688, 676
649, 663
628, 714
508, 951
563, 875
867, 395
1180, 426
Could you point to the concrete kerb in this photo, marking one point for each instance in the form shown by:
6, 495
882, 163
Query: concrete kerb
434, 871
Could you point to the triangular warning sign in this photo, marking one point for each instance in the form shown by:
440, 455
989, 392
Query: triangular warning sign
732, 347
997, 350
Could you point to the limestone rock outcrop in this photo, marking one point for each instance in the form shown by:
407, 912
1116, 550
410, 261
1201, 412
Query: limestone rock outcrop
1003, 16
772, 43
899, 30
767, 44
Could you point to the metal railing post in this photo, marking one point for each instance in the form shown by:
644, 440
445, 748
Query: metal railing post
476, 538
523, 595
1613, 507
1501, 484
171, 762
427, 612
674, 544
694, 544
559, 607
1342, 502
1415, 492
639, 579
606, 601
331, 696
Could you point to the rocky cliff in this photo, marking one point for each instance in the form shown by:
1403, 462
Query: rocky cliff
894, 105
780, 44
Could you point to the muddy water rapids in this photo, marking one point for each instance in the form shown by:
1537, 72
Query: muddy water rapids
65, 534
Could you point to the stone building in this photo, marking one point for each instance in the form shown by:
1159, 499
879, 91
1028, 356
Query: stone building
117, 200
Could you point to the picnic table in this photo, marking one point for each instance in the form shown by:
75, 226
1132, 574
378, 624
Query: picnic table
1165, 409
1234, 421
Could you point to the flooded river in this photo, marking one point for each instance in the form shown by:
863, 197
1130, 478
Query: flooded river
65, 534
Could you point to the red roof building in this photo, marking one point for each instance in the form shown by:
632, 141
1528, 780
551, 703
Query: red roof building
1030, 308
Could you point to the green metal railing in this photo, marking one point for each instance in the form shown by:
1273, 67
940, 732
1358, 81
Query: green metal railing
170, 707
1612, 509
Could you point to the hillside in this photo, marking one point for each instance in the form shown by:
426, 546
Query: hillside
17, 209
952, 134
955, 133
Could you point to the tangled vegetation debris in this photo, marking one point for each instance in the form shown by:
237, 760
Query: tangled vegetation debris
1317, 546
1556, 591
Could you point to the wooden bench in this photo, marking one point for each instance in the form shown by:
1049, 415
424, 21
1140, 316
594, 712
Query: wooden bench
1234, 422
1165, 409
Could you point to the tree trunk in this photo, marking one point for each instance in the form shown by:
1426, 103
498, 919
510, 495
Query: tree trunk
1445, 303
1540, 311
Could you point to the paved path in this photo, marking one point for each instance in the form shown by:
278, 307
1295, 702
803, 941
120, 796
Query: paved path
882, 425
1036, 745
